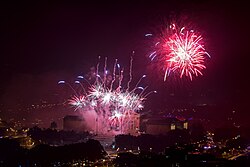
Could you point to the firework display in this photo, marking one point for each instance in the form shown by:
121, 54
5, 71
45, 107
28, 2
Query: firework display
179, 51
109, 103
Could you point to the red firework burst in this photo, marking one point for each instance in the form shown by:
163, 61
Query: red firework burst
182, 51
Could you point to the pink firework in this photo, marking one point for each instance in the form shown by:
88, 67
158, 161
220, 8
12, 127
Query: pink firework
78, 101
182, 52
112, 106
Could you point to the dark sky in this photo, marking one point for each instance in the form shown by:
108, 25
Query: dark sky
43, 42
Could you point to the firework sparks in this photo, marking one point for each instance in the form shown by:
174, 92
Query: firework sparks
111, 103
181, 51
78, 102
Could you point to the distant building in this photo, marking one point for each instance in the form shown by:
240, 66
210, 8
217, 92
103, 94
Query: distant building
53, 125
157, 126
74, 122
133, 124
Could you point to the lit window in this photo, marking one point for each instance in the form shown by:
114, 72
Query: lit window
185, 126
172, 127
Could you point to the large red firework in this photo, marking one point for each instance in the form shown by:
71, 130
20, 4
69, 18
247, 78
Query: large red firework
182, 52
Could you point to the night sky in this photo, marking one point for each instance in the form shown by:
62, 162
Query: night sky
42, 43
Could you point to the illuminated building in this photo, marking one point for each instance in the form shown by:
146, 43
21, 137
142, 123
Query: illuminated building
157, 126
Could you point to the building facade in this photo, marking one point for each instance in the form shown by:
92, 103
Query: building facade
156, 126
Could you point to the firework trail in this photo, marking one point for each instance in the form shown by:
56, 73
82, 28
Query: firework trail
180, 51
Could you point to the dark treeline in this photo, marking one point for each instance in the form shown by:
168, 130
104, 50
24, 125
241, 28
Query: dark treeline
157, 143
232, 139
12, 154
